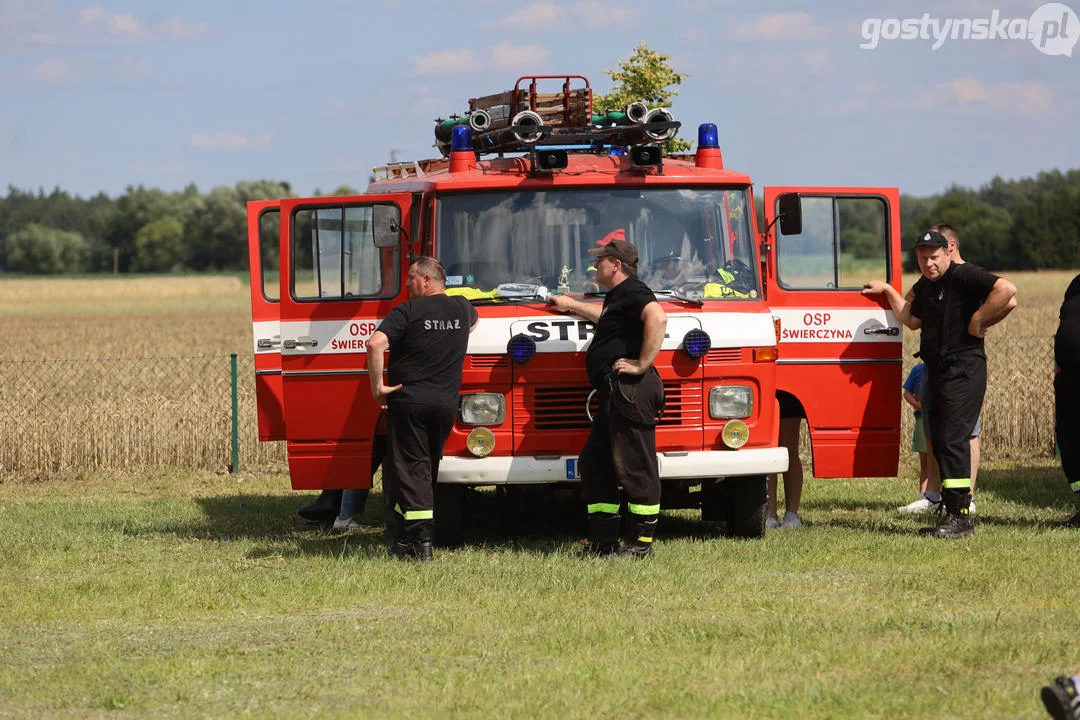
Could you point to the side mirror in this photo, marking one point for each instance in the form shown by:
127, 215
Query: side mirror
386, 223
789, 213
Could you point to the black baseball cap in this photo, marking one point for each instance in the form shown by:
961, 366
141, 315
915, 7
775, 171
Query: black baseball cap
932, 238
618, 249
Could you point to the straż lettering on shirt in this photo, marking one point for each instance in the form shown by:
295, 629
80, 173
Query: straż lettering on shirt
442, 324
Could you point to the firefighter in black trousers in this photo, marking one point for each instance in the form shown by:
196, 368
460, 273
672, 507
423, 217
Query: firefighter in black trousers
953, 304
428, 336
1067, 390
621, 448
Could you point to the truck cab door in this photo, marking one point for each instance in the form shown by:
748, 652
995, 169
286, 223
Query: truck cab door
840, 352
263, 220
343, 266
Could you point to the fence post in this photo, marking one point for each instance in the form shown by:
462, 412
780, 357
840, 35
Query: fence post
235, 467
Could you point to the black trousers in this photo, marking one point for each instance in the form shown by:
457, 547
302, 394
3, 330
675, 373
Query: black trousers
1067, 423
617, 453
957, 386
415, 440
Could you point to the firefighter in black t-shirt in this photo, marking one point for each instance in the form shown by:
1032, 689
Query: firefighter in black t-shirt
621, 448
428, 336
1067, 389
954, 304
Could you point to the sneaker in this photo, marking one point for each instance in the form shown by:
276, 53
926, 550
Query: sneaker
920, 506
772, 522
791, 521
1061, 699
349, 525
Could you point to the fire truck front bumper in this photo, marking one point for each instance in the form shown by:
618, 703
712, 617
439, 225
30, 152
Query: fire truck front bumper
563, 468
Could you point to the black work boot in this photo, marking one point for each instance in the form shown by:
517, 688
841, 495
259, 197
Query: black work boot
640, 544
1074, 521
603, 534
324, 509
957, 522
413, 541
1061, 699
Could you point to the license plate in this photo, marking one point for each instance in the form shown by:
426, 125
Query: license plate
572, 469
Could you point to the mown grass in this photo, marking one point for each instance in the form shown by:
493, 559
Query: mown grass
185, 593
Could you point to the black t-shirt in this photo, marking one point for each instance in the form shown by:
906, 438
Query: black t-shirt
620, 332
428, 339
945, 308
1067, 339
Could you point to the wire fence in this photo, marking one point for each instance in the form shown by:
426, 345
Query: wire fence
177, 411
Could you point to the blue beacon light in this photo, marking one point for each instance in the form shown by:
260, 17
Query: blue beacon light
461, 139
521, 348
707, 136
697, 343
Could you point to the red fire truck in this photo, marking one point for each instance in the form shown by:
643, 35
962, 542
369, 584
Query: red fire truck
529, 182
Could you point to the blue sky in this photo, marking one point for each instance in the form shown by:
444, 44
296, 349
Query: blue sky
97, 97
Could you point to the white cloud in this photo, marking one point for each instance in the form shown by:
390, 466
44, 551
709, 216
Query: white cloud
98, 20
225, 140
817, 60
780, 26
539, 15
53, 71
593, 14
546, 15
445, 62
505, 56
969, 94
177, 28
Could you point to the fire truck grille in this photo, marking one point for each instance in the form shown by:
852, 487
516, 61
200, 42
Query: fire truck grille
724, 355
485, 362
563, 408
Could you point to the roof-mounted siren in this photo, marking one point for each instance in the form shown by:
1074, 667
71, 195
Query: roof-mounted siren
659, 115
521, 125
708, 148
462, 156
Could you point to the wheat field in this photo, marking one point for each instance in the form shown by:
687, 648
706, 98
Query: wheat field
134, 372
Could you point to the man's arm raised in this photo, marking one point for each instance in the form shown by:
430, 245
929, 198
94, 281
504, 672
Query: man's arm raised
901, 307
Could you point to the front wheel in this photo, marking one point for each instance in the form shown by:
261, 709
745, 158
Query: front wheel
745, 506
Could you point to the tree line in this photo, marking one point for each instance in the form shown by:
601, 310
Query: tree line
1026, 224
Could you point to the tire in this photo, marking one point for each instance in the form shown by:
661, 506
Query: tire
745, 507
449, 512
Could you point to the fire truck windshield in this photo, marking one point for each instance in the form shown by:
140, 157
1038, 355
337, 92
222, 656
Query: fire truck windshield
696, 242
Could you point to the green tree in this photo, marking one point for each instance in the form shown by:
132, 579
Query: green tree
645, 77
159, 246
47, 251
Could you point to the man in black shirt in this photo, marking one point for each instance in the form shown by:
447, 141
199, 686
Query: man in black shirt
621, 448
1067, 389
954, 305
428, 336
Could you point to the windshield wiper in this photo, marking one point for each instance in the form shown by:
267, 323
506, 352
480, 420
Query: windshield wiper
676, 295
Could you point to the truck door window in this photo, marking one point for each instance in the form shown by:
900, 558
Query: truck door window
843, 244
334, 255
269, 250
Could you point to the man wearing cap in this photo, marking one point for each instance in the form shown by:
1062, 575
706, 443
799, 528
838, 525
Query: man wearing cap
621, 448
954, 305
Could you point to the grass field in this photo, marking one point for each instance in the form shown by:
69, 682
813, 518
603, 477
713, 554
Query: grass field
164, 592
192, 594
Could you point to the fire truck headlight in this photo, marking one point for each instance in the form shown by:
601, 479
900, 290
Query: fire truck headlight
731, 401
735, 434
521, 348
480, 442
482, 409
697, 343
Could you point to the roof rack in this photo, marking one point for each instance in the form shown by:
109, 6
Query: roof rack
522, 138
411, 168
